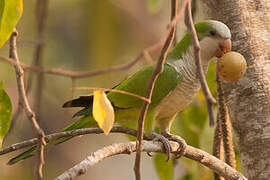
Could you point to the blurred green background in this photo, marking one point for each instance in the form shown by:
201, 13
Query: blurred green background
85, 35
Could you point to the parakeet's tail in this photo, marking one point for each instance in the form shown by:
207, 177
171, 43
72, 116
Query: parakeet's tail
27, 154
82, 101
85, 122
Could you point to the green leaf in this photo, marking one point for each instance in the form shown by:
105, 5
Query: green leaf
164, 169
154, 5
10, 13
5, 113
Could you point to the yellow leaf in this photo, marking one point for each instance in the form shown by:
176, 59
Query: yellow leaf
103, 111
10, 13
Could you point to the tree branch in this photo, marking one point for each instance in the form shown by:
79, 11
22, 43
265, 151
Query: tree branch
150, 86
149, 146
122, 148
113, 90
24, 101
41, 15
73, 133
208, 96
85, 74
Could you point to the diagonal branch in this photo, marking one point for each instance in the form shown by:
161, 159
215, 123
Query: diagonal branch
208, 96
122, 148
24, 101
150, 86
41, 13
85, 74
72, 133
113, 90
149, 146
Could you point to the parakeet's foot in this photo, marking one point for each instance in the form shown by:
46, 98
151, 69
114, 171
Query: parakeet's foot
164, 141
182, 143
164, 138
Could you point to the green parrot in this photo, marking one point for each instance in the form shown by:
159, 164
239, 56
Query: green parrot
174, 90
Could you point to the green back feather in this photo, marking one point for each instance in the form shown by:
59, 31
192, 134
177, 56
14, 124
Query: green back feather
137, 84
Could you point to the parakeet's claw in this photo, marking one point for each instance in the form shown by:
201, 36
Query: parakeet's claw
182, 144
164, 141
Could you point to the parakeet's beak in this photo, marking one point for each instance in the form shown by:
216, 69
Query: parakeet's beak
224, 47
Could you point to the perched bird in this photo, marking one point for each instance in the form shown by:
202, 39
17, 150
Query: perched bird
174, 90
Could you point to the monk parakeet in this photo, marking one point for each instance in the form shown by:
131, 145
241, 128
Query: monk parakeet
175, 88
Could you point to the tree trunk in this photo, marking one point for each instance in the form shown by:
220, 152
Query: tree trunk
249, 99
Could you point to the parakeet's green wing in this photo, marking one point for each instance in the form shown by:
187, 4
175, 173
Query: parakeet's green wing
137, 84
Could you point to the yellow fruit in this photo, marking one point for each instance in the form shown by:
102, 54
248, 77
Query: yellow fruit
231, 66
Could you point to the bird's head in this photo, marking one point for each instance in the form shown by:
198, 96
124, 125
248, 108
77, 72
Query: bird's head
215, 38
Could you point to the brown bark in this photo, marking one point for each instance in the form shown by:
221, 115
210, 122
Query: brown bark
248, 100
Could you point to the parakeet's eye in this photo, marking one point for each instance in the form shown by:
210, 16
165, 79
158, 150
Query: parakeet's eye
213, 33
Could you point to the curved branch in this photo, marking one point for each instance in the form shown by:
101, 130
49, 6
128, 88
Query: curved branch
24, 101
122, 148
149, 146
85, 74
73, 133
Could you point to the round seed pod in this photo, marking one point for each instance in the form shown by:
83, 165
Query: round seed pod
231, 66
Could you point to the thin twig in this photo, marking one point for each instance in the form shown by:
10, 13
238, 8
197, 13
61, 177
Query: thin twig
113, 90
148, 57
177, 17
150, 146
208, 96
85, 74
174, 7
72, 133
225, 126
23, 99
150, 86
190, 152
42, 7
